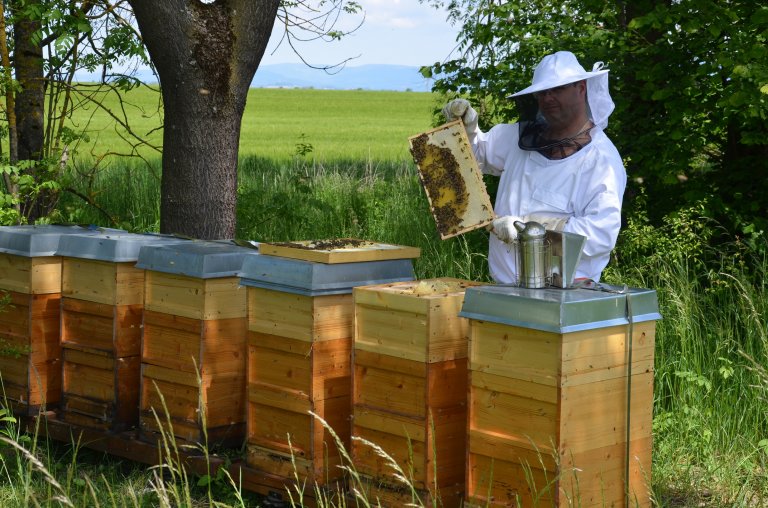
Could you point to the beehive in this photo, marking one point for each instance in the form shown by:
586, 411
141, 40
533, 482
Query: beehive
300, 333
30, 351
194, 343
410, 387
550, 374
451, 179
101, 320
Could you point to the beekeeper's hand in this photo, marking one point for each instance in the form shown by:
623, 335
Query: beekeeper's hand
550, 222
460, 108
504, 227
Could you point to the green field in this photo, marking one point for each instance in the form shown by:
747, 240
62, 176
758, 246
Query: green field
354, 124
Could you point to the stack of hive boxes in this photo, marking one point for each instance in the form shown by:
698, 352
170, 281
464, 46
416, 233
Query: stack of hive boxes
300, 334
193, 347
101, 321
410, 389
30, 278
560, 396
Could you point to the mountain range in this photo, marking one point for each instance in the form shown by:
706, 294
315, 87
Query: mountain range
364, 77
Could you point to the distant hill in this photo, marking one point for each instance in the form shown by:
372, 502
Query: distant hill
366, 77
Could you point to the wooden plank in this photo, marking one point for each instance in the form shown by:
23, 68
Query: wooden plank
272, 425
451, 179
34, 276
527, 422
113, 328
521, 353
596, 477
600, 354
391, 332
30, 352
498, 483
280, 313
417, 320
344, 250
391, 390
219, 298
102, 281
191, 345
397, 495
594, 415
321, 371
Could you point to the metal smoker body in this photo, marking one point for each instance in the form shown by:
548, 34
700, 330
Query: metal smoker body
546, 258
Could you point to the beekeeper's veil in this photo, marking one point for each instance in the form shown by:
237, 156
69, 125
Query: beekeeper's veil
562, 68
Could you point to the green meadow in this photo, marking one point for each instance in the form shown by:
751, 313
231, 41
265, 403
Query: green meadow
354, 124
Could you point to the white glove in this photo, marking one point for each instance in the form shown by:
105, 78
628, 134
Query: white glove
504, 227
550, 222
460, 108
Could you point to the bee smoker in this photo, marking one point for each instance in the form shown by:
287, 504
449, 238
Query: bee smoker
546, 258
532, 254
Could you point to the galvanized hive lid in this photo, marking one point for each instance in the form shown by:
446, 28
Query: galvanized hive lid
42, 240
558, 310
313, 279
106, 246
196, 258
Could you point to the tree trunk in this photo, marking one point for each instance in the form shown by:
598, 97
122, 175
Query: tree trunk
206, 56
30, 108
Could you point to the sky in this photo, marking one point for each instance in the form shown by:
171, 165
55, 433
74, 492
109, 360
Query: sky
395, 32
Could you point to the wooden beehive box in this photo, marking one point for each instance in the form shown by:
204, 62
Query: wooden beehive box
410, 384
299, 350
30, 352
193, 358
548, 410
451, 179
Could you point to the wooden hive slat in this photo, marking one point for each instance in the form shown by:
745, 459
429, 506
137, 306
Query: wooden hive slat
416, 320
99, 389
112, 328
344, 250
102, 281
30, 275
206, 299
30, 362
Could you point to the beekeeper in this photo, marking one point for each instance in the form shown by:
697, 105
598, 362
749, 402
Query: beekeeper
556, 164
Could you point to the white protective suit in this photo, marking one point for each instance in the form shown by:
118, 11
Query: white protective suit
587, 187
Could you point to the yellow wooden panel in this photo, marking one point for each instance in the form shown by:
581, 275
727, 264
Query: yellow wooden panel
448, 333
496, 483
514, 352
391, 332
36, 276
594, 415
220, 298
393, 390
102, 281
333, 317
321, 372
343, 250
113, 328
529, 423
599, 354
280, 313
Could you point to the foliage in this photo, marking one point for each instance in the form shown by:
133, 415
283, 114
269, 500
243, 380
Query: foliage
689, 79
